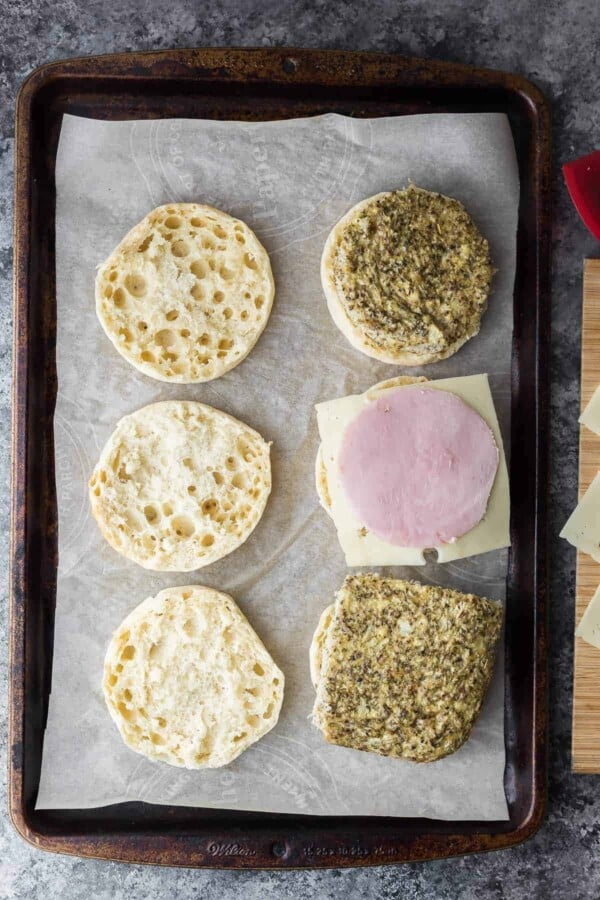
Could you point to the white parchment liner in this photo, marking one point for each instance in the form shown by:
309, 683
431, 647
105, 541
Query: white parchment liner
291, 181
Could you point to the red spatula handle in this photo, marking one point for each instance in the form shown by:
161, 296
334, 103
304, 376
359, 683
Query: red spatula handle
583, 181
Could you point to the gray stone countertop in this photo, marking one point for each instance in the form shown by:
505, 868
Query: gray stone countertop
554, 43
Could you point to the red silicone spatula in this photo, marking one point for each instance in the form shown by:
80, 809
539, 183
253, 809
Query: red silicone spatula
583, 181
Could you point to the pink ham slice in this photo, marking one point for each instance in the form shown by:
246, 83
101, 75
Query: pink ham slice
417, 467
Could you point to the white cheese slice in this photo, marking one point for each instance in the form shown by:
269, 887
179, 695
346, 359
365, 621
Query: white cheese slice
589, 627
582, 528
363, 548
590, 417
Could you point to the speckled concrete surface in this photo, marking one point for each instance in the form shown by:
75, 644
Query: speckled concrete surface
555, 43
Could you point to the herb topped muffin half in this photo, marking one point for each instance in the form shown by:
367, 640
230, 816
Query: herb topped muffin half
401, 668
407, 276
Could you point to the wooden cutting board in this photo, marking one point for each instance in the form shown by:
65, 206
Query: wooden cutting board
586, 678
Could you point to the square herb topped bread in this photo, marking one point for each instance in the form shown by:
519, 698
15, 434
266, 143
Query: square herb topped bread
401, 668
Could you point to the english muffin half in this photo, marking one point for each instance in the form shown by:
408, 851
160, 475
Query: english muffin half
179, 485
401, 668
186, 294
188, 681
407, 276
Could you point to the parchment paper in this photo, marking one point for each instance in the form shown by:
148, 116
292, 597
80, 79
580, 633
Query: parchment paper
291, 181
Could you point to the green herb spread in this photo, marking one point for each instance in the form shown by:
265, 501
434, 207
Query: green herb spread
405, 667
412, 272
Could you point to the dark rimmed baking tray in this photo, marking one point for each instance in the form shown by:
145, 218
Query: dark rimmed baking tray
267, 84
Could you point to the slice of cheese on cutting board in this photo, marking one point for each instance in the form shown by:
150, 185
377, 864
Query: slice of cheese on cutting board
360, 545
589, 627
582, 529
590, 417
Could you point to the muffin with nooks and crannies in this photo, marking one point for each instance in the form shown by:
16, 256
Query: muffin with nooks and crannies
188, 681
179, 485
186, 294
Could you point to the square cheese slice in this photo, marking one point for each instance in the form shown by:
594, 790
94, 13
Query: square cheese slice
589, 627
590, 417
582, 528
363, 548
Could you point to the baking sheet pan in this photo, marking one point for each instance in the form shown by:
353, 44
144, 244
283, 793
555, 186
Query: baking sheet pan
267, 85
